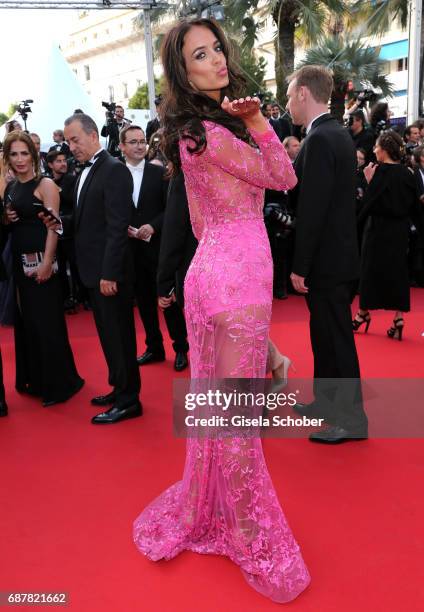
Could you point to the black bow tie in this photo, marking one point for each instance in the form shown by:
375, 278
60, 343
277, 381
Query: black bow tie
89, 163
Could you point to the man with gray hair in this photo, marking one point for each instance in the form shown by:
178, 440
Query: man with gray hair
102, 214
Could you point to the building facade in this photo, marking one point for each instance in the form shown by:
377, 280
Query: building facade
106, 51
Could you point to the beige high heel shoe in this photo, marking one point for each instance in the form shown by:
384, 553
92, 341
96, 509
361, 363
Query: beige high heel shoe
280, 373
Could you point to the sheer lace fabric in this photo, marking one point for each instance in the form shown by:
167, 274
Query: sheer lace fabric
225, 503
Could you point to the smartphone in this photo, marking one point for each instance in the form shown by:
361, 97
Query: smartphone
46, 212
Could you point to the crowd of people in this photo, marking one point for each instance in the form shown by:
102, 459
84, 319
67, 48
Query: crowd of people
174, 218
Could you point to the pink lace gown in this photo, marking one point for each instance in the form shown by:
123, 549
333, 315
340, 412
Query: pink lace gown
225, 503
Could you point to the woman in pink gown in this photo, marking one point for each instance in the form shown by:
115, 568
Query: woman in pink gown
225, 503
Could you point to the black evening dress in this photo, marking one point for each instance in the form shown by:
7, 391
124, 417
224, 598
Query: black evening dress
44, 361
390, 201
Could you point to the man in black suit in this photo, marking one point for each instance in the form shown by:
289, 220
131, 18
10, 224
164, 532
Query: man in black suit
363, 137
44, 169
154, 124
326, 260
102, 214
149, 201
60, 144
419, 172
72, 287
281, 125
178, 245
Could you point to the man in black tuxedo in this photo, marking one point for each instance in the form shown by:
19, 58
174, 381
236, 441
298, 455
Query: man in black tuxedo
60, 144
326, 260
102, 214
149, 201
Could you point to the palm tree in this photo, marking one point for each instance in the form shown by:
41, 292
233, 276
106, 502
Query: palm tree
351, 62
304, 19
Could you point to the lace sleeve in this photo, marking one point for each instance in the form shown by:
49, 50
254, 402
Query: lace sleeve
268, 167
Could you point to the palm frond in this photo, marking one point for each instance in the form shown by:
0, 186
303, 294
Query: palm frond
350, 60
380, 14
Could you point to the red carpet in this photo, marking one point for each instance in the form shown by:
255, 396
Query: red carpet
70, 491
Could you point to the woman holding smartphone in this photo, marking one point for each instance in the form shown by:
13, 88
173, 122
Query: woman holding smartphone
45, 364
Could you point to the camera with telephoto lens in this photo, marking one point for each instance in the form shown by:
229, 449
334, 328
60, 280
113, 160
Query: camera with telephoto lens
111, 129
110, 107
274, 211
364, 95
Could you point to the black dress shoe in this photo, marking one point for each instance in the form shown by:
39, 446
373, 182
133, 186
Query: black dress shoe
3, 408
149, 357
181, 361
334, 434
103, 400
118, 413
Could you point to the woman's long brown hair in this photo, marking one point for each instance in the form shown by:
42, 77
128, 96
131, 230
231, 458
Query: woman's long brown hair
183, 109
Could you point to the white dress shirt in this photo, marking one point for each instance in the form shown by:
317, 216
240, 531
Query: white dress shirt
85, 172
137, 175
308, 129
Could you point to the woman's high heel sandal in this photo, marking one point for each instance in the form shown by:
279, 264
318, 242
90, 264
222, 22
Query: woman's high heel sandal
396, 330
360, 320
280, 373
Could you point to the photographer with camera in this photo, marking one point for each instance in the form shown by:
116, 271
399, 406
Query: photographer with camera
154, 124
359, 102
115, 122
380, 118
363, 137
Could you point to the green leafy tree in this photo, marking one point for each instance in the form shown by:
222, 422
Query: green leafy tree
351, 62
141, 97
3, 118
12, 109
